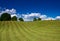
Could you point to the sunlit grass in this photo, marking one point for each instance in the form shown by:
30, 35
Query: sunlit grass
30, 31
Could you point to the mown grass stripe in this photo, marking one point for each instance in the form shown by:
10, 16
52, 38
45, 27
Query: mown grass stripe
30, 31
3, 37
13, 33
34, 36
45, 34
52, 34
7, 32
2, 29
20, 30
16, 31
40, 29
31, 36
2, 26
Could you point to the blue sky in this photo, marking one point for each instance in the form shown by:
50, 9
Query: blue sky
51, 8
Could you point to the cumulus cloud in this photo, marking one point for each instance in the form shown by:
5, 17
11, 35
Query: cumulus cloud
12, 12
29, 17
58, 17
14, 15
49, 18
43, 17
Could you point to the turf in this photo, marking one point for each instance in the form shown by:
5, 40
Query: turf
30, 31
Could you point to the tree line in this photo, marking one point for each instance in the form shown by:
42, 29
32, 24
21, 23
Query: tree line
7, 17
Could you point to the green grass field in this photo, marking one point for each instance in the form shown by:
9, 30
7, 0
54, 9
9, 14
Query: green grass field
30, 31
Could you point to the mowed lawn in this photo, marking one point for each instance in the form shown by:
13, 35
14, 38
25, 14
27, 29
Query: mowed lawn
30, 31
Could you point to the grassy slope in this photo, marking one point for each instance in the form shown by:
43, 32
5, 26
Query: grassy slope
30, 31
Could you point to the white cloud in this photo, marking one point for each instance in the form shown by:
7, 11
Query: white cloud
29, 17
49, 18
58, 17
12, 12
25, 19
25, 16
14, 15
43, 17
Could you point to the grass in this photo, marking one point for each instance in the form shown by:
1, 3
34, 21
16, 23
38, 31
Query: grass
30, 31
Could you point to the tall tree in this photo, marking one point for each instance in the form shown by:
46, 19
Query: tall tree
14, 18
21, 19
5, 17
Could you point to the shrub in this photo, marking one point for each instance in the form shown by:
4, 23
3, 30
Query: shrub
5, 17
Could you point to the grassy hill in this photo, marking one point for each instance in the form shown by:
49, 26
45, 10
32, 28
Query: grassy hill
30, 31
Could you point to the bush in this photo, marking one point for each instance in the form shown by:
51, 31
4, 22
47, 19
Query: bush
39, 19
21, 19
14, 18
5, 17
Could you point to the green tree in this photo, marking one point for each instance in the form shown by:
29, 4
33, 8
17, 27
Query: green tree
0, 18
39, 19
5, 17
21, 19
34, 19
14, 18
